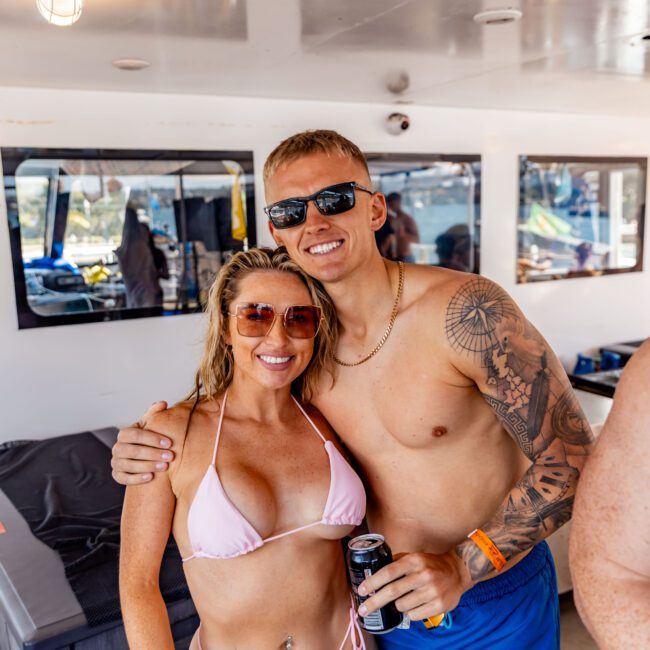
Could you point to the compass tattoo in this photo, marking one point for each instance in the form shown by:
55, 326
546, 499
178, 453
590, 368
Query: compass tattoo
473, 315
525, 385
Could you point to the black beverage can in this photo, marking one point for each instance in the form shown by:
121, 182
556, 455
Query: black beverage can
366, 555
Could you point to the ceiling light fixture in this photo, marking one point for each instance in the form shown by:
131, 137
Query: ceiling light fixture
60, 12
130, 64
498, 16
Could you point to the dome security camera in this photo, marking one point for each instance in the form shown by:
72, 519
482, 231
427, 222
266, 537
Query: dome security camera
397, 123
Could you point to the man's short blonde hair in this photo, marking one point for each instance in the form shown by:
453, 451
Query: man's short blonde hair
312, 142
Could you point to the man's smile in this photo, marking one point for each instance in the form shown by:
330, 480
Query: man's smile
323, 249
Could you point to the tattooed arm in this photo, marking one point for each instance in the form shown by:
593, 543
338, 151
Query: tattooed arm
523, 382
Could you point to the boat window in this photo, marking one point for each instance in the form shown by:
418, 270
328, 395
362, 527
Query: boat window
579, 217
105, 235
434, 208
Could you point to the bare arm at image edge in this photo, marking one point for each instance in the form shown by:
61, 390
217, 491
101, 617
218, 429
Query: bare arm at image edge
146, 524
610, 537
524, 383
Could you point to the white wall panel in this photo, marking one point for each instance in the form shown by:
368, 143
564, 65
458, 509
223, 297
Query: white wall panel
63, 379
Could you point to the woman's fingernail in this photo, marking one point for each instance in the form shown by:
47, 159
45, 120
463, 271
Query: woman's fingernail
362, 591
164, 443
363, 610
146, 477
166, 455
161, 465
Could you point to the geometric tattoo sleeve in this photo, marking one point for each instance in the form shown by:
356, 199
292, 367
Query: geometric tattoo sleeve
526, 387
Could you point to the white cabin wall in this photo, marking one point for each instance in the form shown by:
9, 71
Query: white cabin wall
58, 380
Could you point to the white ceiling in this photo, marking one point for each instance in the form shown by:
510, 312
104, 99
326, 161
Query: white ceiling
564, 55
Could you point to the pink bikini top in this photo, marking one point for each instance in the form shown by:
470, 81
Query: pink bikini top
218, 530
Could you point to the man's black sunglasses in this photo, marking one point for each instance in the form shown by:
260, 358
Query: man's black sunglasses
331, 200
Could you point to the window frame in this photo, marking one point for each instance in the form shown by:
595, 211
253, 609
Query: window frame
427, 159
13, 157
643, 165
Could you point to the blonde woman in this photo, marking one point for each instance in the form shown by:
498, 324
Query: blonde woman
259, 495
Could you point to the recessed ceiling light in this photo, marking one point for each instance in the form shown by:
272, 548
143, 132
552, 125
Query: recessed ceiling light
498, 16
131, 64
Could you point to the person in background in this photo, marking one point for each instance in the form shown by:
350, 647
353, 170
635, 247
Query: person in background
259, 494
141, 263
610, 535
466, 250
583, 253
445, 249
386, 241
404, 226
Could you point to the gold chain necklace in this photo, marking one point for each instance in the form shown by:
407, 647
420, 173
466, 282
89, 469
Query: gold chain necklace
389, 329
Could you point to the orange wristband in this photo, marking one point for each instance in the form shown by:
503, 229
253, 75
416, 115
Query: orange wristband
489, 548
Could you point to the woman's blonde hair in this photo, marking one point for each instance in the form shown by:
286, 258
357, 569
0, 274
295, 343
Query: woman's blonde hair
217, 364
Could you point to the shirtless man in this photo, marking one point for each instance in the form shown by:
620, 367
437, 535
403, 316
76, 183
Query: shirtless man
457, 411
404, 226
610, 536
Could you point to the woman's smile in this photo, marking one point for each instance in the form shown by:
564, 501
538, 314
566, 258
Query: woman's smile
275, 362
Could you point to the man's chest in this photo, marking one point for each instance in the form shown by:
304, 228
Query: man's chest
395, 401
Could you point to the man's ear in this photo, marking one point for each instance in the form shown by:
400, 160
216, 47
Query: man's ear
378, 211
275, 234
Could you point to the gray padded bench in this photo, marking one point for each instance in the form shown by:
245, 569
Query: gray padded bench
39, 610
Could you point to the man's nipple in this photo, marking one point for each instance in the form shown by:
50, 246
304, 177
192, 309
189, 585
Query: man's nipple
438, 431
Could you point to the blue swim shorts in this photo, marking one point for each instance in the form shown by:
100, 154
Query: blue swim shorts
516, 610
